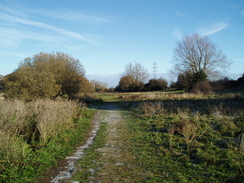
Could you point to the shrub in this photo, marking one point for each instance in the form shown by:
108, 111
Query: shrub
156, 84
202, 87
46, 76
150, 109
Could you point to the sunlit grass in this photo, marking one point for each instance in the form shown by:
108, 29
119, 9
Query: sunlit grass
193, 141
166, 95
106, 96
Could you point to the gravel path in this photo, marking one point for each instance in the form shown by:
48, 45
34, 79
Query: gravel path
116, 162
70, 165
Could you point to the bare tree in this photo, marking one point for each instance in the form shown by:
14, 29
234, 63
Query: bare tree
99, 86
196, 54
133, 78
137, 72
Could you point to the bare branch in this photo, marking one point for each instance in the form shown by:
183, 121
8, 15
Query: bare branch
196, 53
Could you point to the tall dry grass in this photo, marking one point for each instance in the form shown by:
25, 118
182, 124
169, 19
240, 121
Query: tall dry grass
150, 109
22, 123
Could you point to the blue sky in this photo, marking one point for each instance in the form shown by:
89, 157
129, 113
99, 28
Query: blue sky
105, 35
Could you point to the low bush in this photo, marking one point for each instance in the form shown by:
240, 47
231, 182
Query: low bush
202, 87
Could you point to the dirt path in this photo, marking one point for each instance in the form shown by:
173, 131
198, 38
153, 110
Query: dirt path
116, 163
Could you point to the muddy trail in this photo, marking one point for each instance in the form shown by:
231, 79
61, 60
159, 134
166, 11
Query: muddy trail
115, 163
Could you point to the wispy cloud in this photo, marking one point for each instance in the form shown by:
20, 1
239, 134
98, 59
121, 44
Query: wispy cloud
17, 20
18, 26
73, 16
12, 53
12, 38
9, 37
179, 14
213, 28
240, 60
176, 33
13, 11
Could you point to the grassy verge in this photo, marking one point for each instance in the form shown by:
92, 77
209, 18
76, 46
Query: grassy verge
189, 142
35, 135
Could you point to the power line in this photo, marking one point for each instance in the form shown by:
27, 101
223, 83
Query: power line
155, 70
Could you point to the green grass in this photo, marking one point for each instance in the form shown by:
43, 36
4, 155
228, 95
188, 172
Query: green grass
87, 163
107, 97
37, 159
212, 153
168, 95
114, 162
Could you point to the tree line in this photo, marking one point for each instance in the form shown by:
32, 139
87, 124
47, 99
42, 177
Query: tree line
196, 60
134, 77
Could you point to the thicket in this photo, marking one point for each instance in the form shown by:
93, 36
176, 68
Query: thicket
126, 85
34, 135
190, 140
227, 83
46, 76
156, 84
199, 83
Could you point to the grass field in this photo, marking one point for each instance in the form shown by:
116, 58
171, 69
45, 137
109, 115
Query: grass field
190, 141
174, 136
167, 95
186, 137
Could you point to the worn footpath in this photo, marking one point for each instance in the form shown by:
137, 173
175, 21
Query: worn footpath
116, 162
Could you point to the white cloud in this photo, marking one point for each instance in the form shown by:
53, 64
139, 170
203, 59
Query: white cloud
176, 33
213, 28
11, 38
16, 26
72, 16
240, 60
17, 20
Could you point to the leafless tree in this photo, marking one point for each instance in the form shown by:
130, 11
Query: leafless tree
99, 86
196, 54
137, 72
